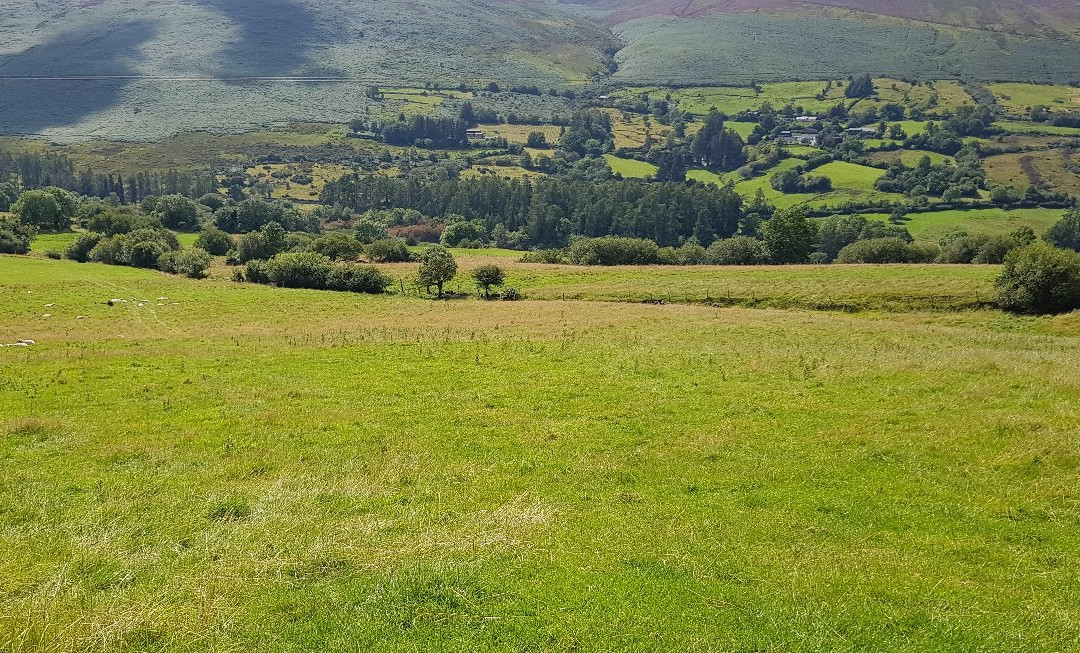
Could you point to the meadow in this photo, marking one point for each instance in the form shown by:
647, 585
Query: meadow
241, 467
932, 226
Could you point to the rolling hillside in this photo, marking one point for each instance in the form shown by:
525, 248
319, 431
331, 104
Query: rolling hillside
138, 70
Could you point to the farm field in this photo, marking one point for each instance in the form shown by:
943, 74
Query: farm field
1018, 127
932, 226
1018, 98
249, 467
1046, 168
630, 168
910, 158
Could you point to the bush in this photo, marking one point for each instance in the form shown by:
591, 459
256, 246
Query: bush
214, 241
740, 250
15, 237
193, 262
388, 250
512, 295
613, 250
691, 253
877, 250
145, 254
300, 270
1040, 278
53, 254
358, 278
80, 248
110, 251
549, 256
257, 271
337, 247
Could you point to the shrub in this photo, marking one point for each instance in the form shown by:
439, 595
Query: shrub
461, 231
262, 244
54, 254
994, 249
257, 271
691, 253
488, 277
214, 241
876, 250
613, 250
388, 250
740, 250
193, 262
145, 254
550, 256
80, 248
110, 250
15, 237
300, 270
1040, 278
511, 295
337, 247
358, 278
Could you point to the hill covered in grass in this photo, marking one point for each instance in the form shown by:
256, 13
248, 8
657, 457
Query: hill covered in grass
136, 70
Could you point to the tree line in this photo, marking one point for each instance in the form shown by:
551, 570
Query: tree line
549, 211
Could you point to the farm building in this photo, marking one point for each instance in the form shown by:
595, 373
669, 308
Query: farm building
809, 137
474, 134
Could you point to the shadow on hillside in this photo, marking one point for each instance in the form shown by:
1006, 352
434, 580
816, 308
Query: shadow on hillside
276, 37
30, 105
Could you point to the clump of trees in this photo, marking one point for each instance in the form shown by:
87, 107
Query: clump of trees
1040, 278
314, 271
49, 208
792, 181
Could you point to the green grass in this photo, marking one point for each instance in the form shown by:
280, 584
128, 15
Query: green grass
932, 226
850, 175
1018, 98
630, 168
912, 158
1023, 127
263, 469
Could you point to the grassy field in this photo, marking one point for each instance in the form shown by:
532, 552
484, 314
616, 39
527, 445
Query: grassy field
911, 158
1020, 127
630, 168
932, 226
1019, 98
1045, 168
241, 467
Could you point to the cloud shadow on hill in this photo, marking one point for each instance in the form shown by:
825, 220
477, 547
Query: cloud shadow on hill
275, 37
29, 105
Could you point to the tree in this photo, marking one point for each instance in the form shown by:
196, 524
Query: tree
214, 241
1066, 233
373, 93
437, 266
178, 212
860, 87
789, 235
47, 208
537, 141
717, 147
1040, 278
488, 277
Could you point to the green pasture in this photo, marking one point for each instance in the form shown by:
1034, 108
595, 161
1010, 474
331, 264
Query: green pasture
240, 467
1018, 98
932, 226
630, 168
